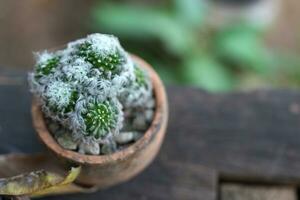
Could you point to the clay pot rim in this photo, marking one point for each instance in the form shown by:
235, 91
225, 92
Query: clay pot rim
161, 109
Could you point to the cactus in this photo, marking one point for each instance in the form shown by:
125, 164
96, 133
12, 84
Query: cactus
90, 90
108, 62
100, 118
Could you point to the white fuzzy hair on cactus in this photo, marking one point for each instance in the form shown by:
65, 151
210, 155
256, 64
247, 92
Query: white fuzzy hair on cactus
86, 88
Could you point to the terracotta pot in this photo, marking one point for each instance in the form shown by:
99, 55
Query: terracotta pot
107, 170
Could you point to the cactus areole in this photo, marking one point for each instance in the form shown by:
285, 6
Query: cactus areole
94, 98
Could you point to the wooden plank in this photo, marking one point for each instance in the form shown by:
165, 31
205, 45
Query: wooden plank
244, 136
12, 76
237, 136
252, 192
164, 179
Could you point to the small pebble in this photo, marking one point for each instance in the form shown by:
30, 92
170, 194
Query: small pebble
139, 123
89, 147
150, 103
127, 137
109, 148
149, 115
66, 141
124, 137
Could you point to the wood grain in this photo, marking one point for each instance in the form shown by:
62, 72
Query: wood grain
250, 192
246, 137
12, 77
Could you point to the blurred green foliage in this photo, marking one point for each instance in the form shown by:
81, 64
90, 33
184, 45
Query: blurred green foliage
177, 40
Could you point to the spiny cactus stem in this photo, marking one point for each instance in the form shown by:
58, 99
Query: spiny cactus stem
109, 62
140, 76
47, 67
99, 119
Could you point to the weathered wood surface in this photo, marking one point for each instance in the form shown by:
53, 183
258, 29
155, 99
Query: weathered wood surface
243, 192
248, 137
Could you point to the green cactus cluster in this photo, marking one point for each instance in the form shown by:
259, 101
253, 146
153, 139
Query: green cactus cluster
140, 76
107, 63
46, 67
86, 88
100, 118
